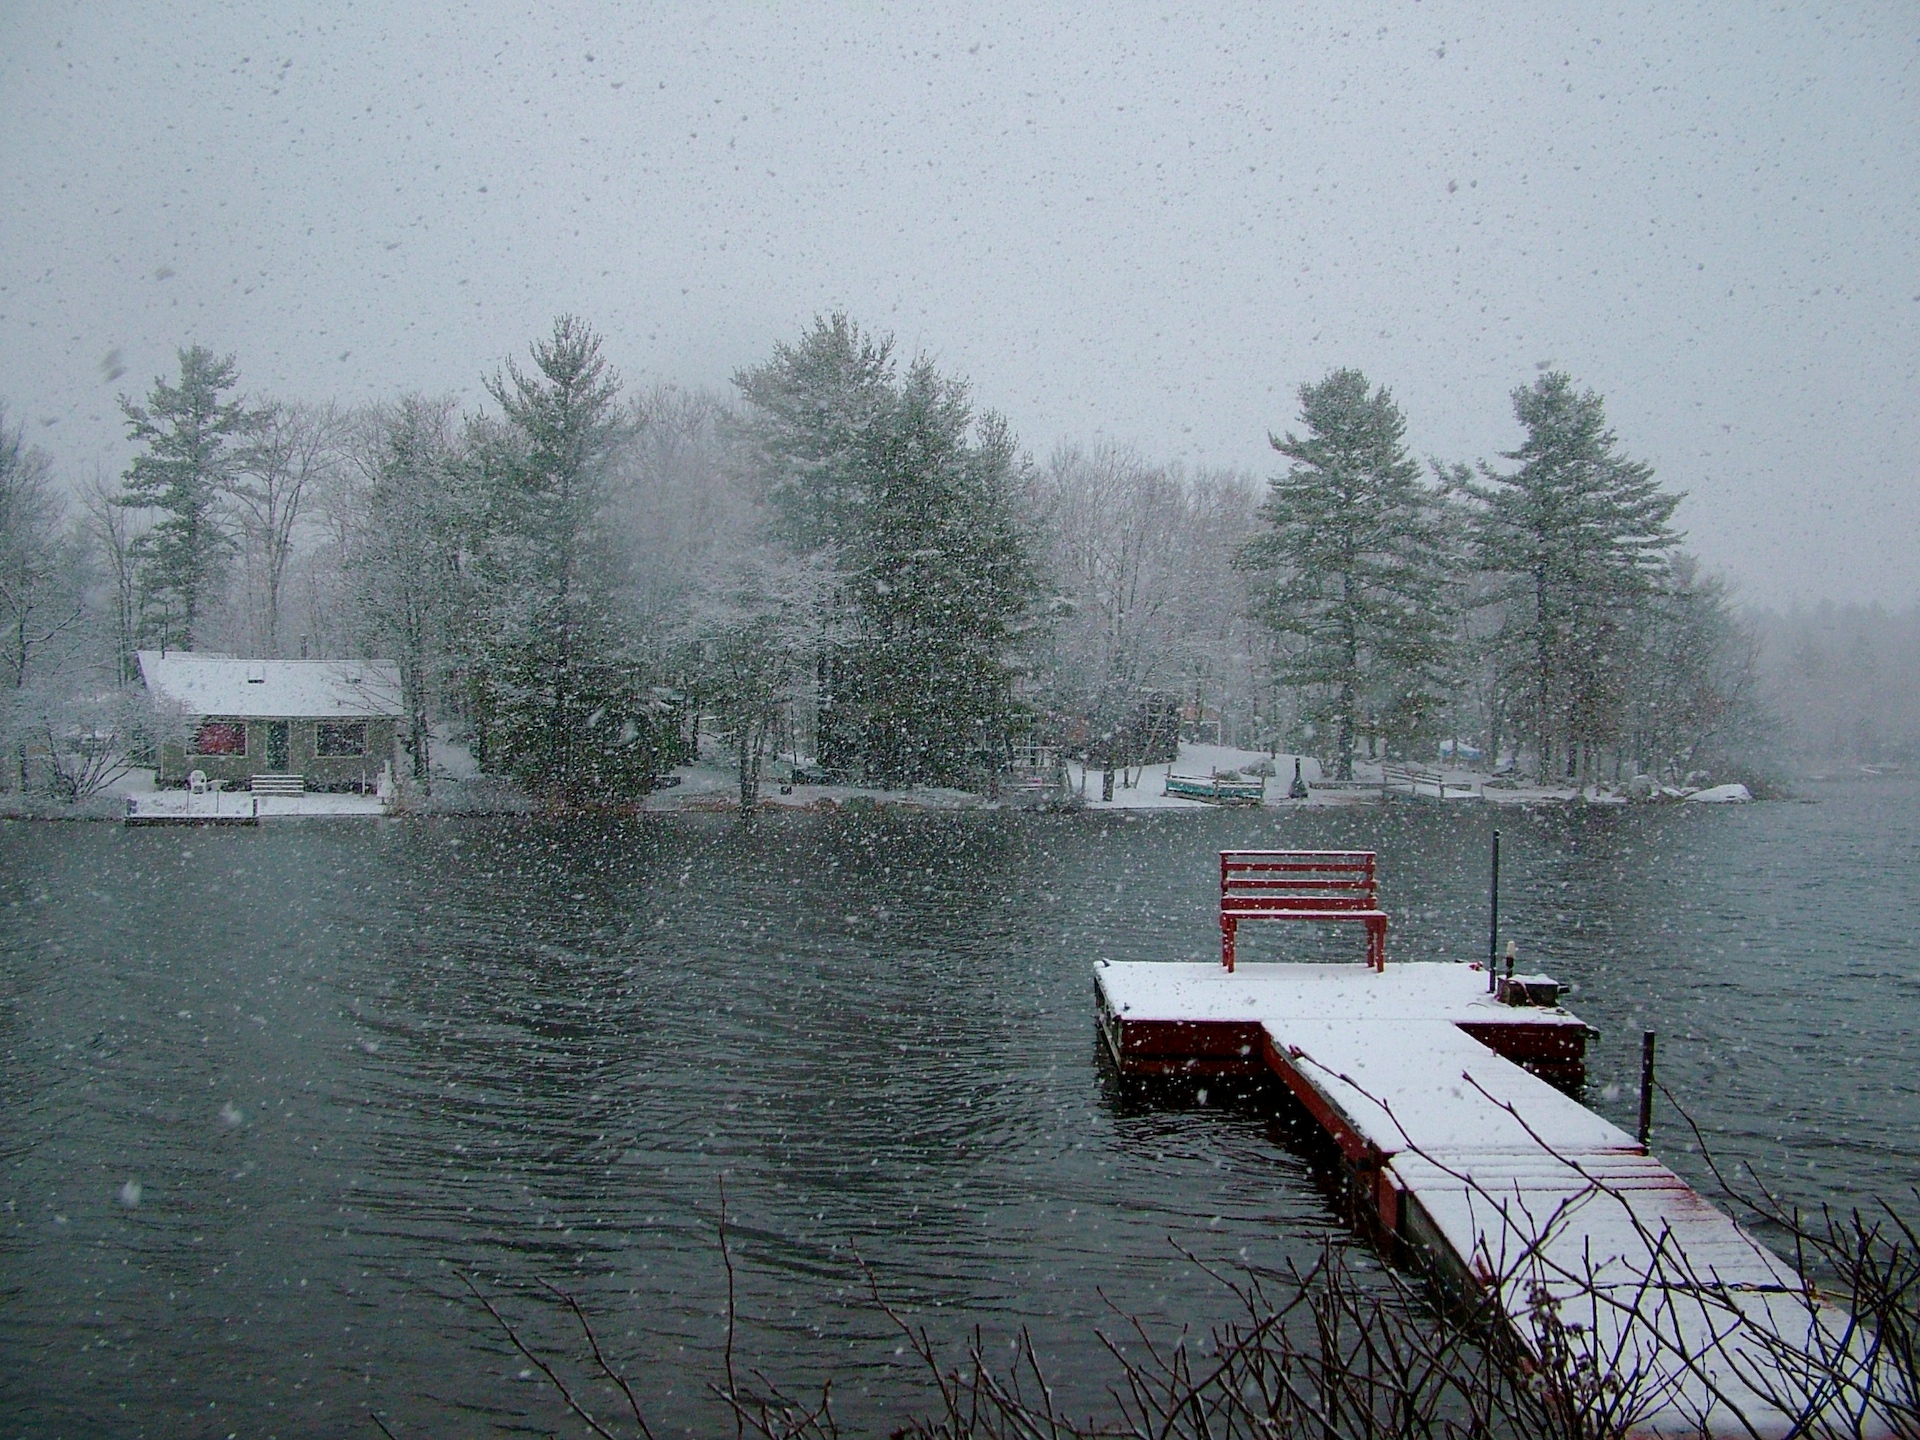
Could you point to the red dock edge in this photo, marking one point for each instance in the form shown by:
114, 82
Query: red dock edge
1556, 1051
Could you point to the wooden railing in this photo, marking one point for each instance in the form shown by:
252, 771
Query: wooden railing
1424, 780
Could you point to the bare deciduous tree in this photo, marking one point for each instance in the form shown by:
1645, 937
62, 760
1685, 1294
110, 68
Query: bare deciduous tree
112, 531
1144, 594
40, 607
294, 448
754, 628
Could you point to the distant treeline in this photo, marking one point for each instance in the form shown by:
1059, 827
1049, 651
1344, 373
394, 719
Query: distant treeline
844, 560
1843, 682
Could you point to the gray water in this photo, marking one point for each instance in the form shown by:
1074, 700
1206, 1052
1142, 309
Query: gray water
347, 1064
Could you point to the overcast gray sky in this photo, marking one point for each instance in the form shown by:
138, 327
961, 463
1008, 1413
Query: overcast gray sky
1134, 223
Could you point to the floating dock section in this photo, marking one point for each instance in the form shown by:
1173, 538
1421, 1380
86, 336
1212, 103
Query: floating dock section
1505, 1183
1433, 1091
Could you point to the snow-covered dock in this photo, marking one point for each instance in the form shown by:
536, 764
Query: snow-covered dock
1198, 1019
238, 807
181, 807
1591, 1248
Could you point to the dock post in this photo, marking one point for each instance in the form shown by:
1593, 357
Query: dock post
1493, 914
1646, 1086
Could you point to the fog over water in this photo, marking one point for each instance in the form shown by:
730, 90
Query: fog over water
1116, 221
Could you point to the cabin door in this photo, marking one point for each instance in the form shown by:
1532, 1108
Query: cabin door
277, 747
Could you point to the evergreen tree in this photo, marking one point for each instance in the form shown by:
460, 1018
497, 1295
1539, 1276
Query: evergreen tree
821, 411
1358, 584
940, 582
1578, 537
918, 499
561, 691
194, 441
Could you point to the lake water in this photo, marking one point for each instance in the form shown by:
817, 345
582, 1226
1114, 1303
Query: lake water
347, 1063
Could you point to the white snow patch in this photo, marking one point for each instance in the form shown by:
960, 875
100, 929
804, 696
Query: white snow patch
1721, 795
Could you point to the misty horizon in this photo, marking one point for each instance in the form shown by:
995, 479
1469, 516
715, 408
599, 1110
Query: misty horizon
1120, 229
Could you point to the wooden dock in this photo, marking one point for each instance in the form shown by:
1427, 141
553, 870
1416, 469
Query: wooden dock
1433, 1091
1503, 1182
210, 807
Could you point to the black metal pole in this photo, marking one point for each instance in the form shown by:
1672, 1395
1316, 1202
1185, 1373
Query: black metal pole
1493, 915
1646, 1085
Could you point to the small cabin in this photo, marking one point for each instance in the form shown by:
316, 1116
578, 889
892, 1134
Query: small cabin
293, 724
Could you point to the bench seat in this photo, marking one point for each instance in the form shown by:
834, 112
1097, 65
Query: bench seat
1314, 885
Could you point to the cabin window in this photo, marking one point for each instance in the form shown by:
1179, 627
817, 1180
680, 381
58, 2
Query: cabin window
219, 737
340, 737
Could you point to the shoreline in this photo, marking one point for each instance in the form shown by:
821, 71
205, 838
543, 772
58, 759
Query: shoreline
709, 788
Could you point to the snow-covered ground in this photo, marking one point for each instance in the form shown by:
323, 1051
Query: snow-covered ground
712, 785
1148, 792
1449, 783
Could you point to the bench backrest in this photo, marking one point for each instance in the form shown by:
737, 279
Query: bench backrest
1278, 883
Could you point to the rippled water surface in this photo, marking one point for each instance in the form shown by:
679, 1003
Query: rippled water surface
269, 1095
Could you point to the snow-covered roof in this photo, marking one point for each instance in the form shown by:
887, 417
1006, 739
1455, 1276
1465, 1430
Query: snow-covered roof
272, 689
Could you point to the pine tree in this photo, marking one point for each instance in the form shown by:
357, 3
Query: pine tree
818, 413
194, 441
821, 410
940, 581
1578, 537
1357, 577
562, 691
917, 498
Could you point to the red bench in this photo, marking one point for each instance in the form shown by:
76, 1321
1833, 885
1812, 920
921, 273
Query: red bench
1301, 885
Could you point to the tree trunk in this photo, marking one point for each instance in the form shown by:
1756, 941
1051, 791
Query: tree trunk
1344, 739
753, 744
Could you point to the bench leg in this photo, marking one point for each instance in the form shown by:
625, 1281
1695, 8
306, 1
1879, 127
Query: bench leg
1377, 944
1226, 943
